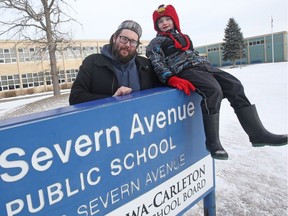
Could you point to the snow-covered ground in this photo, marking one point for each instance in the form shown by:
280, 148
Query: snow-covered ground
27, 104
253, 182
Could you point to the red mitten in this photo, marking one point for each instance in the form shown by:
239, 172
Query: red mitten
181, 84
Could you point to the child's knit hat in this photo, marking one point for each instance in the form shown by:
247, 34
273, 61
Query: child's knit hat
170, 11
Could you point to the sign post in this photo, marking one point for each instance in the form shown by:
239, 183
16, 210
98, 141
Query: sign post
140, 154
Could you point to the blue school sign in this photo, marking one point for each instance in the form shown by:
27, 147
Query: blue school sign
142, 154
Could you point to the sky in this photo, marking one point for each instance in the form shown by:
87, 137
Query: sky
203, 20
253, 181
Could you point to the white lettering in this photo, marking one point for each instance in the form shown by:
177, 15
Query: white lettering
83, 142
136, 126
21, 164
55, 193
64, 156
161, 120
14, 207
41, 155
41, 202
141, 156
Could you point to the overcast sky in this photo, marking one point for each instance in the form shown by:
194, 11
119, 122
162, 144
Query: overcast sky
203, 20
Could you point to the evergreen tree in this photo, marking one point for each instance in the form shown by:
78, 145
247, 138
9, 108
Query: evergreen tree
234, 42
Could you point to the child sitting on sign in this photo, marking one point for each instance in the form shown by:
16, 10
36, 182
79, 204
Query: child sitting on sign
177, 64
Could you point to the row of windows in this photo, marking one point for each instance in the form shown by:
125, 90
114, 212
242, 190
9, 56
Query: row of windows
215, 49
9, 55
252, 43
255, 43
31, 80
36, 50
37, 54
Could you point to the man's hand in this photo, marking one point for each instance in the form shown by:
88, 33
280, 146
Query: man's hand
181, 84
123, 90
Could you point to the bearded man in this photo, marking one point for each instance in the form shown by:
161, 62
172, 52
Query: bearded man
117, 70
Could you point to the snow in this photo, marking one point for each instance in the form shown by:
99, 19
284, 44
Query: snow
254, 180
27, 104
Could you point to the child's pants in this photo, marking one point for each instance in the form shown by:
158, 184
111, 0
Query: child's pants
213, 85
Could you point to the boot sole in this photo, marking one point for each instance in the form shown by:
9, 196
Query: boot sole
216, 156
219, 157
265, 144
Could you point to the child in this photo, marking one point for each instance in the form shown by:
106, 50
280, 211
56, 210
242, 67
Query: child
178, 65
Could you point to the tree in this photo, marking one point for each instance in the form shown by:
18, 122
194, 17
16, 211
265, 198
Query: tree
40, 22
234, 42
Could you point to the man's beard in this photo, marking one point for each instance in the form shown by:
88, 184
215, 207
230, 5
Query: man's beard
123, 59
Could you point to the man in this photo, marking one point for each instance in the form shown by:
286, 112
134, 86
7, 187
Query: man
118, 70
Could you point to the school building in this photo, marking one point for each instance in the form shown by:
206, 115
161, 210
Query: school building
259, 49
24, 67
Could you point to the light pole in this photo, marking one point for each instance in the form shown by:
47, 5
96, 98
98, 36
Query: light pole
272, 39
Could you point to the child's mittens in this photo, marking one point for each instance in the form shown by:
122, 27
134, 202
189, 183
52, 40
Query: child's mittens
181, 84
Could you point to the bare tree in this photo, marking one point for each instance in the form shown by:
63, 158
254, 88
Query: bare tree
42, 22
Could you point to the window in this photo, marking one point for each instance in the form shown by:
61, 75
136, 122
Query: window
61, 76
71, 75
9, 82
7, 56
48, 78
41, 78
27, 55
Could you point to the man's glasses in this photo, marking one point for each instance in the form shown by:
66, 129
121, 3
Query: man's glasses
125, 40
